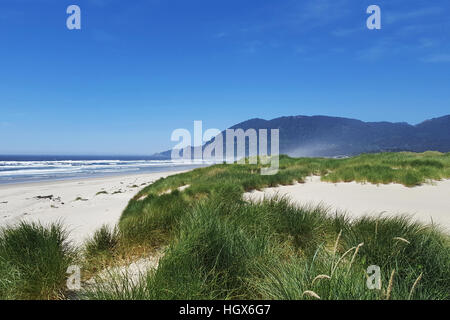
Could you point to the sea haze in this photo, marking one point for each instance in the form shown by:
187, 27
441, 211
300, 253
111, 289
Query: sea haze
29, 168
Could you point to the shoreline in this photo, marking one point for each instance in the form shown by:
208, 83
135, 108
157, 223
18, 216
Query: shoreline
9, 185
180, 168
81, 205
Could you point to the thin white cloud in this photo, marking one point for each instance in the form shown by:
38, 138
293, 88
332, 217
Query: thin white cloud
389, 46
300, 49
100, 3
103, 36
303, 15
344, 32
320, 13
428, 43
373, 53
395, 17
253, 46
5, 124
220, 35
11, 15
437, 58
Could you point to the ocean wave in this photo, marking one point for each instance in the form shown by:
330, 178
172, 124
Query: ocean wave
61, 168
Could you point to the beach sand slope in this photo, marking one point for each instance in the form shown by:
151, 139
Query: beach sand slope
426, 203
82, 206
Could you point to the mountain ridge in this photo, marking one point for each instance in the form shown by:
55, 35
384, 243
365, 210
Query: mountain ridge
327, 136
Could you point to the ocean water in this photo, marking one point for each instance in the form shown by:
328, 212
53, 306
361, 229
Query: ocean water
20, 169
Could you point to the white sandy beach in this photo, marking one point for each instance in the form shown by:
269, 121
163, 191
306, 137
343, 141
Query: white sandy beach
426, 203
81, 217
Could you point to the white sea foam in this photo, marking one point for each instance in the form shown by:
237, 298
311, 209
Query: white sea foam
31, 170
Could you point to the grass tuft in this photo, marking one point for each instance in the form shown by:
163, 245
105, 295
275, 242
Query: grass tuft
33, 261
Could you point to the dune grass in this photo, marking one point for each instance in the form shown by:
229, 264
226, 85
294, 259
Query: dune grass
33, 261
152, 215
409, 169
103, 242
275, 250
222, 247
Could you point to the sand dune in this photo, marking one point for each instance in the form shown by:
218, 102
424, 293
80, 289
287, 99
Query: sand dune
82, 205
426, 203
85, 205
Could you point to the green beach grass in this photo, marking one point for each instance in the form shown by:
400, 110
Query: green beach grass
219, 246
33, 261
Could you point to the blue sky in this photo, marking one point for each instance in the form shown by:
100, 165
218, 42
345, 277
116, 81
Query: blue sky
139, 69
